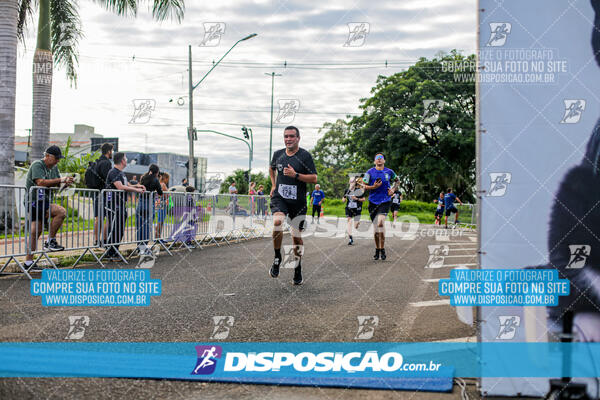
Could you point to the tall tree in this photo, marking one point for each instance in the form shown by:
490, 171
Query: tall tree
241, 182
59, 31
431, 145
9, 12
333, 158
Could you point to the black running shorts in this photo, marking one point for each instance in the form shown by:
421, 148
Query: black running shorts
376, 209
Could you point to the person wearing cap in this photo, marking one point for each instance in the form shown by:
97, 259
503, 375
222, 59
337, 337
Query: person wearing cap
44, 173
378, 181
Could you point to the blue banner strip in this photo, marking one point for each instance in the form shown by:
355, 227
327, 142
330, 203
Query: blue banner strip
230, 360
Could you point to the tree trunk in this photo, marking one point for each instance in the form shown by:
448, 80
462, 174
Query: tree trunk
9, 10
42, 85
8, 87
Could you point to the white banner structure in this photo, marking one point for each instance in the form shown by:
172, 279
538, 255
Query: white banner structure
539, 159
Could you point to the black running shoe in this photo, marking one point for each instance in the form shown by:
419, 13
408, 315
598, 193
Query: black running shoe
52, 245
351, 242
383, 257
274, 271
376, 256
298, 276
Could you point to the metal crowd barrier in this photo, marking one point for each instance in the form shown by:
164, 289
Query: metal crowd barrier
147, 220
467, 215
12, 230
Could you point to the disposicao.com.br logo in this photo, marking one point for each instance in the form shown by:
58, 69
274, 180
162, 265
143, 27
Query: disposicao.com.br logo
369, 361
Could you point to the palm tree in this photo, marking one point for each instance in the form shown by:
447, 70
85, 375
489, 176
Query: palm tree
9, 11
59, 31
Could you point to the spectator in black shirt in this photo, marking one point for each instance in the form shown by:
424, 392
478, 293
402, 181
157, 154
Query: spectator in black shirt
134, 180
144, 212
103, 165
114, 203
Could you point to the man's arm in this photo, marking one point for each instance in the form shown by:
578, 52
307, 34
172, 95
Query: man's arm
272, 176
309, 166
308, 178
119, 185
375, 185
50, 182
461, 203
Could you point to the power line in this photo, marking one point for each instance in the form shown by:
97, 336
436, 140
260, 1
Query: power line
263, 111
334, 65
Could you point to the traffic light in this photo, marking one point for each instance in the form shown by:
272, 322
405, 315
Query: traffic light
245, 132
187, 164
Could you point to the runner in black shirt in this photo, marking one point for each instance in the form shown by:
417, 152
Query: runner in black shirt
395, 206
353, 208
291, 169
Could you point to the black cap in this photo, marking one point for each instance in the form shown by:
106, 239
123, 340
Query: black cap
55, 151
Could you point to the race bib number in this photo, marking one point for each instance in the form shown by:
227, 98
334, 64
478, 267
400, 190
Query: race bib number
396, 200
352, 204
289, 192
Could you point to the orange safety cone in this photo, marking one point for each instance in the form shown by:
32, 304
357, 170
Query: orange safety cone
322, 212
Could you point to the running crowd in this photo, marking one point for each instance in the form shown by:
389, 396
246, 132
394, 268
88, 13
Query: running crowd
293, 167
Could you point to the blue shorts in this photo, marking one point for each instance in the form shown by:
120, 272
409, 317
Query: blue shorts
161, 214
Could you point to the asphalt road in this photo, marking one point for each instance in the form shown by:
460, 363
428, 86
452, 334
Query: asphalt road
341, 283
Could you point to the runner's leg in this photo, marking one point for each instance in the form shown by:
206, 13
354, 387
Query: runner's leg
278, 218
298, 251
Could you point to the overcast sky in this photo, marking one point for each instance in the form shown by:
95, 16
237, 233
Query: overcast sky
123, 59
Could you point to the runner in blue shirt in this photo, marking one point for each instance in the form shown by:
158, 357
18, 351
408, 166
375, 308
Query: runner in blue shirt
449, 200
377, 181
317, 197
439, 212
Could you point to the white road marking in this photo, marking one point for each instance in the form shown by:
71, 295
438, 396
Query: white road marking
454, 266
431, 303
468, 339
461, 255
473, 238
442, 238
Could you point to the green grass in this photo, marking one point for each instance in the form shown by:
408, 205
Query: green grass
424, 212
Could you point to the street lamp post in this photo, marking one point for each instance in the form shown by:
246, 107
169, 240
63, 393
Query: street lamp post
249, 143
273, 75
191, 87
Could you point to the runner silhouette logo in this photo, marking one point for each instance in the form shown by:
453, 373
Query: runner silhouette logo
207, 359
579, 255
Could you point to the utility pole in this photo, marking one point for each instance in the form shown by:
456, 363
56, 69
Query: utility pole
191, 86
191, 170
273, 75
